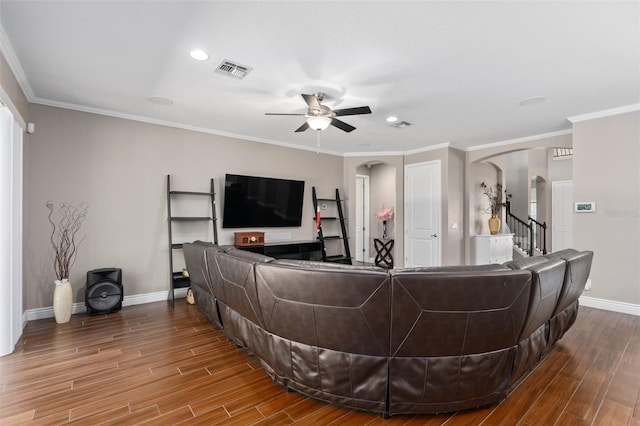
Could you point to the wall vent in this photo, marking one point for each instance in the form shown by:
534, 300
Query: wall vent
400, 124
233, 69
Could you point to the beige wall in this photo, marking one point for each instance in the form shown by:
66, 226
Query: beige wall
393, 166
382, 192
559, 169
454, 249
479, 209
606, 169
518, 182
119, 167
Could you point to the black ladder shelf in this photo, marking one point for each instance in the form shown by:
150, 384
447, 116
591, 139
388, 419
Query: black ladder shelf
345, 254
177, 278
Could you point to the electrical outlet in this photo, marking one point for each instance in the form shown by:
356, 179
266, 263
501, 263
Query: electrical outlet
587, 286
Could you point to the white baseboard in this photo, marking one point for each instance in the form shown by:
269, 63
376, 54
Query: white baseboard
79, 308
610, 305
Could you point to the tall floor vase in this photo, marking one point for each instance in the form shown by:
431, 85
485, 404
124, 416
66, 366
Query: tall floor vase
62, 301
494, 224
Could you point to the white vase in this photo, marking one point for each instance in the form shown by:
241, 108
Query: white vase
62, 301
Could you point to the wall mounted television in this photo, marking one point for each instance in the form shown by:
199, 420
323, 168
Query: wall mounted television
262, 202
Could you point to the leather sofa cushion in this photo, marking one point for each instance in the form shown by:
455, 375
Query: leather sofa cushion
457, 313
249, 256
326, 266
525, 262
546, 285
195, 262
575, 278
454, 268
333, 308
233, 277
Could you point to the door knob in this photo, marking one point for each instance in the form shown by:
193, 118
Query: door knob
434, 235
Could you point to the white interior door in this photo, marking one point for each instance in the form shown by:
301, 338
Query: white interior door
422, 214
362, 218
562, 208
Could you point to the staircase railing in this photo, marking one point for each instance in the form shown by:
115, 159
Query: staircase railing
522, 232
529, 235
540, 234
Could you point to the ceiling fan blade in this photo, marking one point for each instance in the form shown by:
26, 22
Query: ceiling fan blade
352, 111
302, 128
342, 125
311, 100
281, 113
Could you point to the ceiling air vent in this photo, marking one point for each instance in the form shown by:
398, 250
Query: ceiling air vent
400, 124
233, 69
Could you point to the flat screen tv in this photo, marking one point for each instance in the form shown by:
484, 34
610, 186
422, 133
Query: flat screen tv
262, 202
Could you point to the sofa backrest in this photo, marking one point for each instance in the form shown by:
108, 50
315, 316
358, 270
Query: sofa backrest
454, 268
326, 305
233, 278
575, 277
195, 261
547, 277
457, 313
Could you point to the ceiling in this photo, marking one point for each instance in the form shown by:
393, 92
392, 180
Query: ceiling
455, 70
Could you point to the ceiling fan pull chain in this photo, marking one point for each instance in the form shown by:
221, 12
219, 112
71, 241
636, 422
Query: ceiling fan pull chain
318, 141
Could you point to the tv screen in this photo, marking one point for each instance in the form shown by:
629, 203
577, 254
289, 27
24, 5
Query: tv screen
251, 201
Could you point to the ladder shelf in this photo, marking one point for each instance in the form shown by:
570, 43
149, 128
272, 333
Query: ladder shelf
340, 234
178, 279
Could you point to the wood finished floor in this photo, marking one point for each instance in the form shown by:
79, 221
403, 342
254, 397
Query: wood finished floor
149, 364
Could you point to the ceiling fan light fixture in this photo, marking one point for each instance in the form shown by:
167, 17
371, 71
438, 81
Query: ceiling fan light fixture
318, 122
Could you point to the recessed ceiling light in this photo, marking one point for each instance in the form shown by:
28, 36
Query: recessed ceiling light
159, 100
199, 55
532, 101
392, 118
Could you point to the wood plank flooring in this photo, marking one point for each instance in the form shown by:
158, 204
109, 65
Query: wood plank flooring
149, 364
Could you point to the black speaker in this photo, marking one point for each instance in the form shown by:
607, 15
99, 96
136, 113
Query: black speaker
104, 291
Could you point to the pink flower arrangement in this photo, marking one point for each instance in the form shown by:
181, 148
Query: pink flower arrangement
385, 214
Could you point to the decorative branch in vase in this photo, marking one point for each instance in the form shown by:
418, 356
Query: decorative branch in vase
65, 248
384, 214
495, 194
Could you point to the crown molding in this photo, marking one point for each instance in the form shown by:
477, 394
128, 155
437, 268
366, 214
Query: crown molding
520, 140
166, 123
14, 65
428, 148
373, 154
604, 113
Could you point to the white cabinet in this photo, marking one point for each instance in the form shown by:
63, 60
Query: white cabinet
491, 249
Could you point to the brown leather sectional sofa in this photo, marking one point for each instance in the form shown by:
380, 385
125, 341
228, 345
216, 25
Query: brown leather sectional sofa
413, 340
